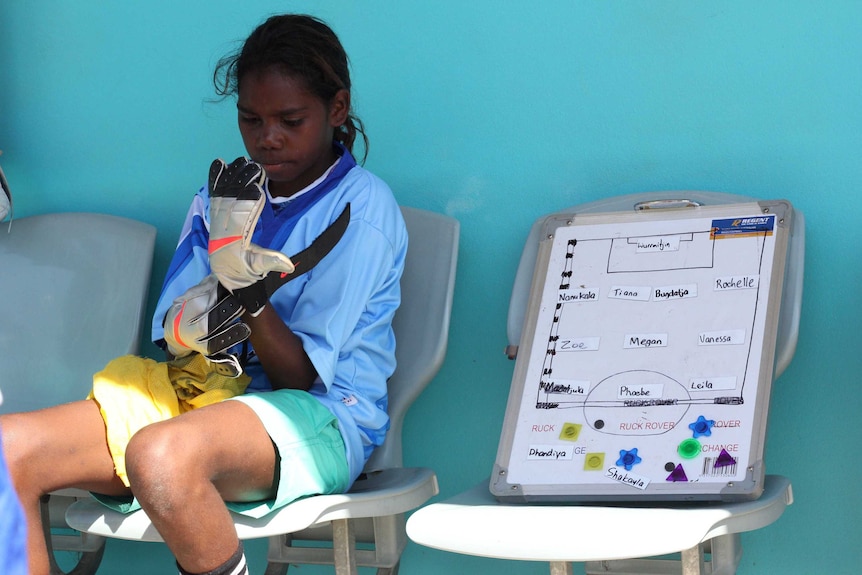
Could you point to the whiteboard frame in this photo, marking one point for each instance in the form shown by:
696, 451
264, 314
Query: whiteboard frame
603, 491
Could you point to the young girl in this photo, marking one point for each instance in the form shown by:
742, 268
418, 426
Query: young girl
321, 348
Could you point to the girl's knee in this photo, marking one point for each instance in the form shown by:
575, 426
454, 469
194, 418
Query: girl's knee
159, 454
149, 456
162, 466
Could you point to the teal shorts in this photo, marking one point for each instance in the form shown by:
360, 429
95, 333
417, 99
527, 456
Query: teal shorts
310, 453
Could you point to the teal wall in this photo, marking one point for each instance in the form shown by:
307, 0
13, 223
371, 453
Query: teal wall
497, 113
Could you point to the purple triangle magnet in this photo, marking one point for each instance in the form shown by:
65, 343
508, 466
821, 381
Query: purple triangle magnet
677, 474
724, 459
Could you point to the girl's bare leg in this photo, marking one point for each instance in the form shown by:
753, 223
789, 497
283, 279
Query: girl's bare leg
183, 469
56, 448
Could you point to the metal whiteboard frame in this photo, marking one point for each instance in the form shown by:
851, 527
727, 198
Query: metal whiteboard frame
653, 209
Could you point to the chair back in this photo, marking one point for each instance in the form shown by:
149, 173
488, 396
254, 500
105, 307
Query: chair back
421, 324
73, 289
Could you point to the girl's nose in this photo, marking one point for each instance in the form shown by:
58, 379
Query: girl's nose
270, 136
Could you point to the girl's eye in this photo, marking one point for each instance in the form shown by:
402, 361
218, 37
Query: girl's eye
250, 120
292, 122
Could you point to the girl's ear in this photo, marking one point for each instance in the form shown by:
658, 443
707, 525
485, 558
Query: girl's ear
339, 108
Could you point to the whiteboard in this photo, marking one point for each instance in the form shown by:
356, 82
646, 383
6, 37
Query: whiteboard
646, 359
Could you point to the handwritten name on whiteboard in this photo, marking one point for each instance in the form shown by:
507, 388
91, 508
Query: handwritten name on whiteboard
635, 293
654, 390
638, 340
658, 244
566, 386
736, 282
578, 295
578, 344
675, 292
712, 383
725, 337
549, 452
627, 478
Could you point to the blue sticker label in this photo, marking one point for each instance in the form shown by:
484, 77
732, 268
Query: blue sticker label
743, 227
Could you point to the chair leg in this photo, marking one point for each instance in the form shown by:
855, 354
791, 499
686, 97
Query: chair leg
90, 557
87, 564
389, 570
344, 546
725, 552
692, 560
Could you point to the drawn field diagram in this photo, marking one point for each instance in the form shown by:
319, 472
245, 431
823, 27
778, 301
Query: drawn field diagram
646, 358
653, 322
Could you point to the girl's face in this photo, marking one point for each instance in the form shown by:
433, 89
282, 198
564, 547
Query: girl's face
287, 129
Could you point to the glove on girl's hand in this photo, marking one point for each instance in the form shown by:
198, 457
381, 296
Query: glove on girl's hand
236, 201
204, 320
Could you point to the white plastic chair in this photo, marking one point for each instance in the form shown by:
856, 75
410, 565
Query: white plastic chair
373, 511
73, 290
617, 539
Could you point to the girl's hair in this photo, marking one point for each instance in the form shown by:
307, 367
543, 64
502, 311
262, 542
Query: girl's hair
300, 46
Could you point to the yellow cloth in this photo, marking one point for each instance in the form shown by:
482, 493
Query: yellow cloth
133, 392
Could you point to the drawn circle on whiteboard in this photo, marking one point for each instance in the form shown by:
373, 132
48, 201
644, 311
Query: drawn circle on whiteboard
636, 402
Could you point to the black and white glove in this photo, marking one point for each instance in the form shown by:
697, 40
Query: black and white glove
205, 320
236, 202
